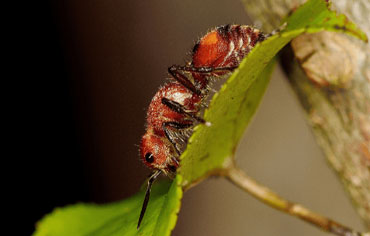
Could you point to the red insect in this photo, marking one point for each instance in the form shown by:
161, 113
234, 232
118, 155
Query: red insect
176, 106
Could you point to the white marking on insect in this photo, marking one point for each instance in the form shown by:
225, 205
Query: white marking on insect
231, 49
180, 97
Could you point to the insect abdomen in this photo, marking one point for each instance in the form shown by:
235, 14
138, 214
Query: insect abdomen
225, 46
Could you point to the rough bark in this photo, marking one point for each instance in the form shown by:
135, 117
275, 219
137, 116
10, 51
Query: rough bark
331, 77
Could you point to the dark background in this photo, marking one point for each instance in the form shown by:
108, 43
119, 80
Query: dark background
49, 149
85, 73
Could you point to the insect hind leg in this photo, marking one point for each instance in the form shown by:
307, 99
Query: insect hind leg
177, 107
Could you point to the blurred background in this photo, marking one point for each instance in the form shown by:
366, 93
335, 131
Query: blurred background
90, 71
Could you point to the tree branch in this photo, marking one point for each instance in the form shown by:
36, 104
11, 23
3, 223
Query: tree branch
330, 75
262, 193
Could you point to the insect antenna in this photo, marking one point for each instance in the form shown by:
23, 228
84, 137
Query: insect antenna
152, 178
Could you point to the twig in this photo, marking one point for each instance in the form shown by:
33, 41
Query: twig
262, 193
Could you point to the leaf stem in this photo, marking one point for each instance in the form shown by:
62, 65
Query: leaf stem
264, 194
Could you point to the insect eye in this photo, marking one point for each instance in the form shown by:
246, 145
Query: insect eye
149, 157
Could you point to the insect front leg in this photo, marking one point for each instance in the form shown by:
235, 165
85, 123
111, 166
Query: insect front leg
174, 125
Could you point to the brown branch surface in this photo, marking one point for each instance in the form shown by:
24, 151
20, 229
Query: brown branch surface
262, 193
331, 78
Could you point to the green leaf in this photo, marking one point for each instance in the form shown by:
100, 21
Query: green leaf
210, 149
117, 218
315, 16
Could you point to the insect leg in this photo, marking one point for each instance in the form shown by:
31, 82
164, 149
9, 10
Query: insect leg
177, 107
177, 73
204, 70
176, 125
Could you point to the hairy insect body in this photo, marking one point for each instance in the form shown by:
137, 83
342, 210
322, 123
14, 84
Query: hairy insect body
159, 113
226, 46
176, 106
162, 118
